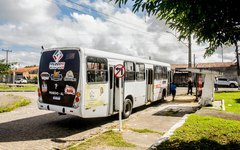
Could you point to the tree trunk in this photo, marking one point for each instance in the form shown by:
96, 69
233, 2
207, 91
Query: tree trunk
238, 71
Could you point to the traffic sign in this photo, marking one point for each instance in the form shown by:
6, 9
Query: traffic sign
119, 71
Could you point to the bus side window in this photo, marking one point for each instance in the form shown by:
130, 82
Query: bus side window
140, 72
158, 72
130, 70
90, 76
97, 70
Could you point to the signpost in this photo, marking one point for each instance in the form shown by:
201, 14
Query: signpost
119, 72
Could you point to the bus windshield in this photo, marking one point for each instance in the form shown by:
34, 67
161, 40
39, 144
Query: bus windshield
59, 76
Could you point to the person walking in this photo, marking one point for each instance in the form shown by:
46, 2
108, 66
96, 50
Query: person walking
190, 85
173, 90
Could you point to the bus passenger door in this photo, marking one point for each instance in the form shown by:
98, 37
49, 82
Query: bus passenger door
111, 90
149, 82
114, 92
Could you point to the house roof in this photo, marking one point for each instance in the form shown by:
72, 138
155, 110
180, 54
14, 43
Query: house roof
204, 65
25, 69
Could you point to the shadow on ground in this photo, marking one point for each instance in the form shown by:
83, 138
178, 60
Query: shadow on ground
237, 100
177, 111
203, 144
52, 126
48, 126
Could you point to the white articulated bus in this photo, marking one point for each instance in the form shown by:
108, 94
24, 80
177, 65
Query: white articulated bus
81, 82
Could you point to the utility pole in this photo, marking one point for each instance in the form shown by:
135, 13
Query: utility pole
194, 59
7, 51
189, 48
189, 52
237, 56
222, 53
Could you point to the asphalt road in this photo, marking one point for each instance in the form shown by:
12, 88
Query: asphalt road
30, 128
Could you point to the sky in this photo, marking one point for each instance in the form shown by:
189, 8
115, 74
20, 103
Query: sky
26, 25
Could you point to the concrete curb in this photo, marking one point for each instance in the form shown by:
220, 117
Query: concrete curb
166, 136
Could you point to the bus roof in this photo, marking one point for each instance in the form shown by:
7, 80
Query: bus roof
111, 55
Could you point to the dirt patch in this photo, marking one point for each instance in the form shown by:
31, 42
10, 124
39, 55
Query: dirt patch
7, 99
177, 111
218, 113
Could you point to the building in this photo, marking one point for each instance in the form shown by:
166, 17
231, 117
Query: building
229, 70
29, 73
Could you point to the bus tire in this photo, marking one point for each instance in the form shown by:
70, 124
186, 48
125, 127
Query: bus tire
127, 108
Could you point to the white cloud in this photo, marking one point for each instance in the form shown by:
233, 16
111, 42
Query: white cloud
35, 23
27, 11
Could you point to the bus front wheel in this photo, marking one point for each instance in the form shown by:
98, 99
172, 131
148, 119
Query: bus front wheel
127, 108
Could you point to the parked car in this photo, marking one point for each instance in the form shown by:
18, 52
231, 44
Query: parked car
20, 81
225, 82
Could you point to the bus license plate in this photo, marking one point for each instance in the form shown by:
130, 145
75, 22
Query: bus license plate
57, 98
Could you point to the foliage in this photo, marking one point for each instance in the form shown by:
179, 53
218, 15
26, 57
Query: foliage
109, 138
216, 22
22, 101
4, 68
231, 99
204, 132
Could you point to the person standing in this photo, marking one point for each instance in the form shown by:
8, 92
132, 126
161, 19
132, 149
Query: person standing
173, 90
190, 85
216, 84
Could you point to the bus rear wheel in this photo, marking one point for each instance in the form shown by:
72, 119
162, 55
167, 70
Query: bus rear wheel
127, 108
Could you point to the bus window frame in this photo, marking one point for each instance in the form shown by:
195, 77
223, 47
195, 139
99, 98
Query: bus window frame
155, 72
107, 76
144, 72
165, 75
134, 71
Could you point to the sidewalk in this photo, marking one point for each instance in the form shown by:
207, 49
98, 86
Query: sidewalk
158, 118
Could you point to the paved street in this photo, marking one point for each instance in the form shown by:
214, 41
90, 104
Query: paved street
30, 128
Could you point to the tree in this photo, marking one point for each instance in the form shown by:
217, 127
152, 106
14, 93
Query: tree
4, 68
216, 22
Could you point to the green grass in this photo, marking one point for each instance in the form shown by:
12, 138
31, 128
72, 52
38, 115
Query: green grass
21, 102
145, 131
109, 138
204, 132
232, 100
6, 87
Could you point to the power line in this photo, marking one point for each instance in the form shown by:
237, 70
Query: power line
7, 51
122, 25
99, 12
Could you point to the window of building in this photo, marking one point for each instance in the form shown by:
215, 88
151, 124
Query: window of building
140, 71
130, 71
97, 69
